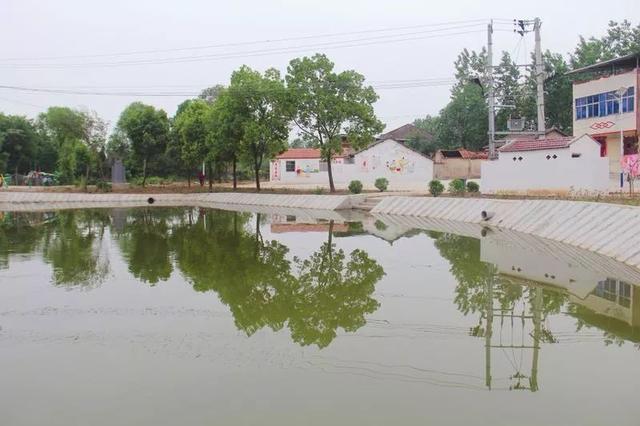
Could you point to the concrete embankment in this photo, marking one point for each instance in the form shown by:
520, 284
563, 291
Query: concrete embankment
38, 200
607, 229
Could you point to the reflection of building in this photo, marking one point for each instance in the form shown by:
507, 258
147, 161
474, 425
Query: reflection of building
584, 276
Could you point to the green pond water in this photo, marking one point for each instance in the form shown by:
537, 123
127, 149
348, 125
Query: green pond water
187, 316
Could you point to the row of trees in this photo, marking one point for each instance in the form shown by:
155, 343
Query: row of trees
463, 121
245, 123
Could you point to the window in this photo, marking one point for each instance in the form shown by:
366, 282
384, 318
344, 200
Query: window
604, 104
290, 166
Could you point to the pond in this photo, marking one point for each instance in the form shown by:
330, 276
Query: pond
165, 316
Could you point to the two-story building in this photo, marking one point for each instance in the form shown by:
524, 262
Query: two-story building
605, 106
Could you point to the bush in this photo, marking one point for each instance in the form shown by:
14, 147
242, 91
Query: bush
319, 190
103, 186
473, 186
381, 184
436, 187
355, 187
456, 187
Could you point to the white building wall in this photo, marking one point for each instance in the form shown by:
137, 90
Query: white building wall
534, 173
403, 167
609, 123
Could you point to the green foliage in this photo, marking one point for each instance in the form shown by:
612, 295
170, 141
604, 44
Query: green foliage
103, 186
327, 104
318, 190
436, 188
382, 184
456, 187
18, 143
265, 124
473, 186
355, 187
148, 131
191, 130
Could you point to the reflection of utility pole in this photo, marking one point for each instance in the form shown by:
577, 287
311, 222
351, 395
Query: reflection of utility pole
535, 317
536, 311
487, 334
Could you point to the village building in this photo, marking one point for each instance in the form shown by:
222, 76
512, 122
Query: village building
402, 166
458, 163
406, 133
605, 106
547, 166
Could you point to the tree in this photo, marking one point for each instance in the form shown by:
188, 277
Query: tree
426, 140
265, 129
148, 130
463, 122
328, 104
66, 128
225, 123
18, 142
210, 94
95, 138
191, 131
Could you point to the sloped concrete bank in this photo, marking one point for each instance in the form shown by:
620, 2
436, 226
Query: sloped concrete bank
24, 200
608, 229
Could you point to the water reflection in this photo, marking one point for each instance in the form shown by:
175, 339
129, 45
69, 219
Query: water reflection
509, 284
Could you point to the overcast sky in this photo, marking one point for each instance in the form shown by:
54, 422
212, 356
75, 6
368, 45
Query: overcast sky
34, 32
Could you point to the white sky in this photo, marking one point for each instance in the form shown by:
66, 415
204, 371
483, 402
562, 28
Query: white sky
35, 29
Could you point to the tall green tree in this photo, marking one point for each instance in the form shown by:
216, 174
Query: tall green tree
266, 128
225, 122
66, 128
328, 104
191, 130
463, 122
148, 130
18, 143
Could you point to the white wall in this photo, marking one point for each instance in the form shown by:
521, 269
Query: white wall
535, 173
404, 168
609, 123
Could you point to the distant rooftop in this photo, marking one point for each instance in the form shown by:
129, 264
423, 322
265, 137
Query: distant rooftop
628, 61
404, 133
518, 145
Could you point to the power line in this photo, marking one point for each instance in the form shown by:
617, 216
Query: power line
384, 86
259, 52
246, 43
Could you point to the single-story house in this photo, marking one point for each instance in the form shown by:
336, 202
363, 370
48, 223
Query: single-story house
547, 166
458, 163
404, 167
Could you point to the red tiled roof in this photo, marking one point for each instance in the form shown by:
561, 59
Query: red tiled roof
299, 153
536, 144
472, 155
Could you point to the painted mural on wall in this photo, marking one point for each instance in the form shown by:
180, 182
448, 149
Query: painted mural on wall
306, 171
396, 162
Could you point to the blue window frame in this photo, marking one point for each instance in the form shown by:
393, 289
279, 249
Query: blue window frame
604, 104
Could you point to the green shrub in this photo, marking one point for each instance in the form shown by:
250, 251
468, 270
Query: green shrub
456, 187
355, 187
319, 190
436, 187
473, 186
103, 186
381, 183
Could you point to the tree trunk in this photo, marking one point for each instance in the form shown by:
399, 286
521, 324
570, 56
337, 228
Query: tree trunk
332, 187
235, 176
210, 171
86, 179
189, 179
144, 172
15, 180
257, 178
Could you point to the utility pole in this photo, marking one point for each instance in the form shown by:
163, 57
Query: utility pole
539, 70
491, 94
